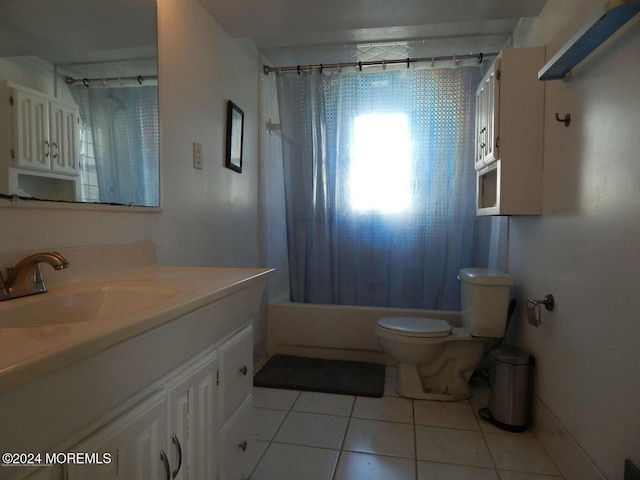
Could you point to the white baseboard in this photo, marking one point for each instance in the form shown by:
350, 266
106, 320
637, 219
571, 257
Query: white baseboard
570, 458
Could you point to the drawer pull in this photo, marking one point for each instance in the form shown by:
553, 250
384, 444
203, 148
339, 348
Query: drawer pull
176, 442
165, 460
243, 370
243, 446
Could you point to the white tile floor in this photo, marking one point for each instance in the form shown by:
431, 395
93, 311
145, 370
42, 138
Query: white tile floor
319, 436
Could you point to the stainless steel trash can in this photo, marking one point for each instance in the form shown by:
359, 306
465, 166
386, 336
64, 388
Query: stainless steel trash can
509, 386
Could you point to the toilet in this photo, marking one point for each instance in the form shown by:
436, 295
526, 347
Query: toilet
436, 360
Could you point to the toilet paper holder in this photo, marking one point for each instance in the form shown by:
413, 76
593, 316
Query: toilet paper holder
533, 309
548, 302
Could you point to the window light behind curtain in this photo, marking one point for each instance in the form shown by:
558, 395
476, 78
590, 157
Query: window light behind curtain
379, 184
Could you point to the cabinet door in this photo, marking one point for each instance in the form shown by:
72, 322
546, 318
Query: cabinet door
64, 138
135, 443
481, 126
46, 473
31, 145
236, 366
236, 443
491, 106
192, 422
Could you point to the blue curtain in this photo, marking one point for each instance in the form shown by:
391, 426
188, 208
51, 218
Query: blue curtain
405, 255
124, 142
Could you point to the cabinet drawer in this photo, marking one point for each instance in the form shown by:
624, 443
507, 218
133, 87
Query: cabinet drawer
236, 379
236, 446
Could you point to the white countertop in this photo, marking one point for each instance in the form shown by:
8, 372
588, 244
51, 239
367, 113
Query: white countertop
28, 352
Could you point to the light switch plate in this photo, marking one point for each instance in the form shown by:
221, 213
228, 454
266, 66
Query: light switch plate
197, 155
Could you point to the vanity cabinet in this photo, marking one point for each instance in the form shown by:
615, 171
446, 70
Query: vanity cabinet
192, 405
136, 445
201, 413
236, 386
168, 400
509, 135
172, 433
39, 142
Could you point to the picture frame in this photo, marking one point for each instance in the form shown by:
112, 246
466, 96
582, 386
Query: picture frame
235, 133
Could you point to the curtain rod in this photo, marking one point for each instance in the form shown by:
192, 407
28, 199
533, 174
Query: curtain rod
298, 68
87, 81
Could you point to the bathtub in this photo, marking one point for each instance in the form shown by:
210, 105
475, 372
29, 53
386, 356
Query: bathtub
336, 332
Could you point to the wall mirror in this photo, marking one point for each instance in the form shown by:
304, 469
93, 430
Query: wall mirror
80, 123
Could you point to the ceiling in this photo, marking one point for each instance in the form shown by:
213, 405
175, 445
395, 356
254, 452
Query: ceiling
292, 32
73, 31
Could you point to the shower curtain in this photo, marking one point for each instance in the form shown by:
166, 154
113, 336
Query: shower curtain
379, 185
124, 141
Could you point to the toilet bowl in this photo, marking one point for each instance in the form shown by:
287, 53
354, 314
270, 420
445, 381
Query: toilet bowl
436, 360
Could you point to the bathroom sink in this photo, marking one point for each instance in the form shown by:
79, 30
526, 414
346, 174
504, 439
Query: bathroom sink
52, 309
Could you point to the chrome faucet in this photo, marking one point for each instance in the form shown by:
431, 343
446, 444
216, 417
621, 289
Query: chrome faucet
26, 278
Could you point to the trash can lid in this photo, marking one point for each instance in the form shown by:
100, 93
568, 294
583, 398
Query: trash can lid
510, 355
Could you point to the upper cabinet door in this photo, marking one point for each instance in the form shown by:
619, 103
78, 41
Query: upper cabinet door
31, 143
487, 117
492, 108
64, 138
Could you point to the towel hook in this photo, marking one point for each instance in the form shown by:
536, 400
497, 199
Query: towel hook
566, 120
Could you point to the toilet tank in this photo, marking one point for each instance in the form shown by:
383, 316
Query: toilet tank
484, 297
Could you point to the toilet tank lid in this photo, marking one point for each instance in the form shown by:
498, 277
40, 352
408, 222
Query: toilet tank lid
417, 326
484, 276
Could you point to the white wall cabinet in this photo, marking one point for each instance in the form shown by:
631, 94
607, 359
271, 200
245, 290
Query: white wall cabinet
488, 117
509, 135
39, 142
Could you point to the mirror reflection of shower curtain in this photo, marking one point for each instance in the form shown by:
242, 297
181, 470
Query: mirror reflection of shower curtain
122, 136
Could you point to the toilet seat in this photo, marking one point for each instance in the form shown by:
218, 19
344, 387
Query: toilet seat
416, 326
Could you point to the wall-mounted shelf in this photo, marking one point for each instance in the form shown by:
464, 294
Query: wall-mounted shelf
609, 19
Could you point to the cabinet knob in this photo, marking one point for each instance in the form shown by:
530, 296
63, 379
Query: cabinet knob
243, 446
243, 370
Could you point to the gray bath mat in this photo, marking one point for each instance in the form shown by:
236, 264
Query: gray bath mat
318, 375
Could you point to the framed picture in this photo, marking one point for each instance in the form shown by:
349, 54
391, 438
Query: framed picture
235, 128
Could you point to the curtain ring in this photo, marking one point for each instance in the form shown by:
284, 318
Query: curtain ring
433, 62
321, 68
384, 64
86, 82
408, 61
298, 69
360, 65
140, 79
480, 58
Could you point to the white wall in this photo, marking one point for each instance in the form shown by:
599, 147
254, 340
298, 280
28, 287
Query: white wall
585, 248
210, 216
